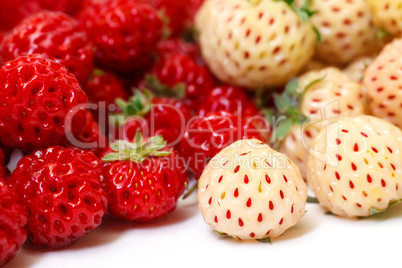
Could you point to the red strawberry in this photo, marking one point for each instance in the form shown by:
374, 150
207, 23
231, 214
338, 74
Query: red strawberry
105, 87
236, 101
36, 95
168, 47
62, 190
67, 6
91, 136
12, 222
55, 36
143, 180
125, 32
1, 39
4, 172
179, 14
154, 116
206, 136
182, 70
13, 12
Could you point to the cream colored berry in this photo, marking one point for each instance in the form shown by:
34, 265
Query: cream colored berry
329, 95
355, 166
383, 82
346, 29
253, 43
250, 191
387, 15
356, 69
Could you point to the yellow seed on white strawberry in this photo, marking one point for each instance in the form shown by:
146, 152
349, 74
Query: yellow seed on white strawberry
355, 166
250, 191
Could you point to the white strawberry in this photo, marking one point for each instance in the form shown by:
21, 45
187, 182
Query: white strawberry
327, 95
387, 15
356, 69
254, 43
250, 191
355, 166
383, 81
346, 29
313, 65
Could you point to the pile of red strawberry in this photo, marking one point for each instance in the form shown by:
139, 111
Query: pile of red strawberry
119, 104
107, 100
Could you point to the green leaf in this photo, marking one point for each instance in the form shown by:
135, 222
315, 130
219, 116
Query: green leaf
111, 157
283, 128
270, 115
318, 35
283, 103
312, 83
138, 105
138, 150
381, 34
394, 203
265, 240
289, 2
292, 86
374, 211
161, 90
301, 119
222, 235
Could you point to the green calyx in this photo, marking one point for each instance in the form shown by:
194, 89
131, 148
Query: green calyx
374, 211
99, 72
304, 12
138, 150
265, 240
138, 105
288, 110
160, 90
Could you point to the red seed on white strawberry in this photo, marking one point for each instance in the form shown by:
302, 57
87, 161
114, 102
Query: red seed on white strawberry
254, 43
328, 94
256, 195
355, 167
346, 30
383, 81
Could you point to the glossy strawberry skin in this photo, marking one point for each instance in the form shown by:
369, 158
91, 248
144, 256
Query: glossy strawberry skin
178, 13
106, 87
228, 98
67, 6
4, 172
235, 100
207, 135
168, 117
55, 36
179, 68
125, 33
62, 189
147, 191
171, 46
12, 221
36, 95
91, 136
13, 12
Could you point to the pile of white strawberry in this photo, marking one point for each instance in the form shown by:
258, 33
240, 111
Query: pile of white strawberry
341, 110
